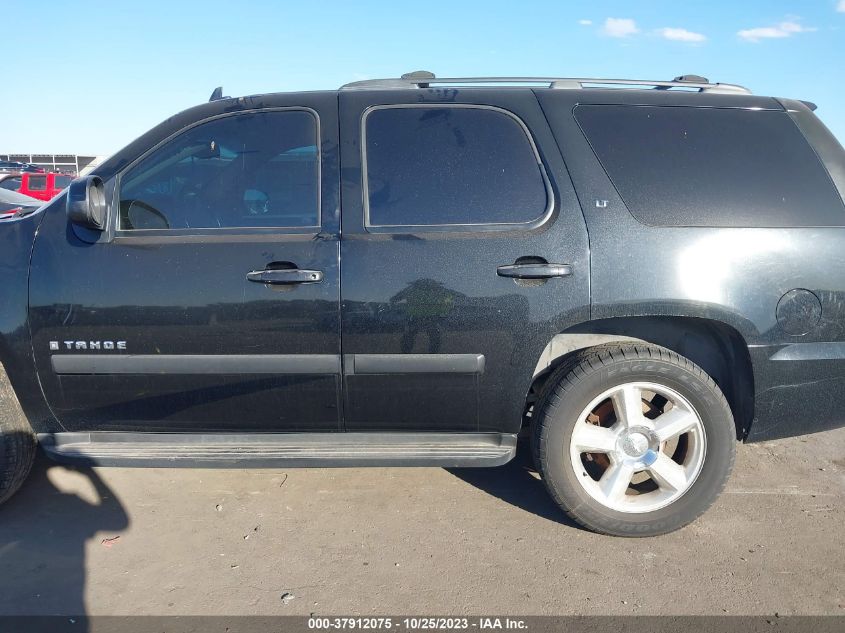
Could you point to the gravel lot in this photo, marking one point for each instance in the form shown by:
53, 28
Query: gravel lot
416, 541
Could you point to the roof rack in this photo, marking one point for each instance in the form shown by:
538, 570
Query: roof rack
425, 79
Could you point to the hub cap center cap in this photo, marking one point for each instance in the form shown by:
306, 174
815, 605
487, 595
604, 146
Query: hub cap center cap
635, 444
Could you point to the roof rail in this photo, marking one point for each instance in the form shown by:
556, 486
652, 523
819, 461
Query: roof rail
425, 79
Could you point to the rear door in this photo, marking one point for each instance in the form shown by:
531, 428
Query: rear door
174, 323
446, 195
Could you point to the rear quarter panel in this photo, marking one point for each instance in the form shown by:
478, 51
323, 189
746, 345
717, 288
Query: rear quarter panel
734, 275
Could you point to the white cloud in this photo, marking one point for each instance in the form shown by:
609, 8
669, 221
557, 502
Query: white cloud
784, 29
841, 6
682, 35
589, 22
619, 27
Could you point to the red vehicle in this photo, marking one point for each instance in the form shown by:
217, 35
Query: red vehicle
43, 186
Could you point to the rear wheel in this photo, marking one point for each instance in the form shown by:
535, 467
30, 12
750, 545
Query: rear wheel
633, 440
17, 441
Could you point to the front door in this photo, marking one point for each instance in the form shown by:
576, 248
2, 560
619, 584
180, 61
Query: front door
215, 305
453, 202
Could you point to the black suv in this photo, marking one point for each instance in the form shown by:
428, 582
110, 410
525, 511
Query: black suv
410, 272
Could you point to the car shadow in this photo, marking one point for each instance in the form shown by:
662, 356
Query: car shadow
43, 535
518, 484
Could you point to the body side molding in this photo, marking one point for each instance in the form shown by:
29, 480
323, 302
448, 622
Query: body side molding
266, 363
414, 363
196, 364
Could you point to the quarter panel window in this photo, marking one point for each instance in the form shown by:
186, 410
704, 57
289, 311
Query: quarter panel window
446, 165
684, 166
247, 170
60, 182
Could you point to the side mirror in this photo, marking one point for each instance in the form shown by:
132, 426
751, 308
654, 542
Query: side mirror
86, 202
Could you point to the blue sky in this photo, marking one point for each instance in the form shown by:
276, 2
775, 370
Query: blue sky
91, 76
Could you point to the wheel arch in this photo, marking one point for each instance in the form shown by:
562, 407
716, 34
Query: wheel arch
718, 348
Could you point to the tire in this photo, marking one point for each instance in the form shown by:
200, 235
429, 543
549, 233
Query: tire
17, 441
604, 386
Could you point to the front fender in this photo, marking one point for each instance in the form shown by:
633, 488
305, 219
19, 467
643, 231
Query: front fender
16, 241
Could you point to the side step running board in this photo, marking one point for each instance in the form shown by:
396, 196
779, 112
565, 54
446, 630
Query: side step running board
279, 450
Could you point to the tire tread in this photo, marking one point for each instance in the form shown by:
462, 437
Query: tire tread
17, 441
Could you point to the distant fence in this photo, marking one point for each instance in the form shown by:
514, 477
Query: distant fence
70, 163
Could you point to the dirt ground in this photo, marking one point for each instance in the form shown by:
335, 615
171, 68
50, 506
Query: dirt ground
416, 541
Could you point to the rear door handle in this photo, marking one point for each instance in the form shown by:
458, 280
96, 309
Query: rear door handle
534, 271
285, 276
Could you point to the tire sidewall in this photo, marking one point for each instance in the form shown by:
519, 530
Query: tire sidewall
558, 422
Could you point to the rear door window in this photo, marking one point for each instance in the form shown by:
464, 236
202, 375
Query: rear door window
685, 166
450, 166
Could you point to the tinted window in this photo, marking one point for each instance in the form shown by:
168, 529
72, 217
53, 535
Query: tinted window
448, 165
711, 167
60, 182
12, 184
247, 170
37, 183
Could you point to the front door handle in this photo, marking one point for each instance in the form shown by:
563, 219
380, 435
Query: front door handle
285, 276
534, 271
